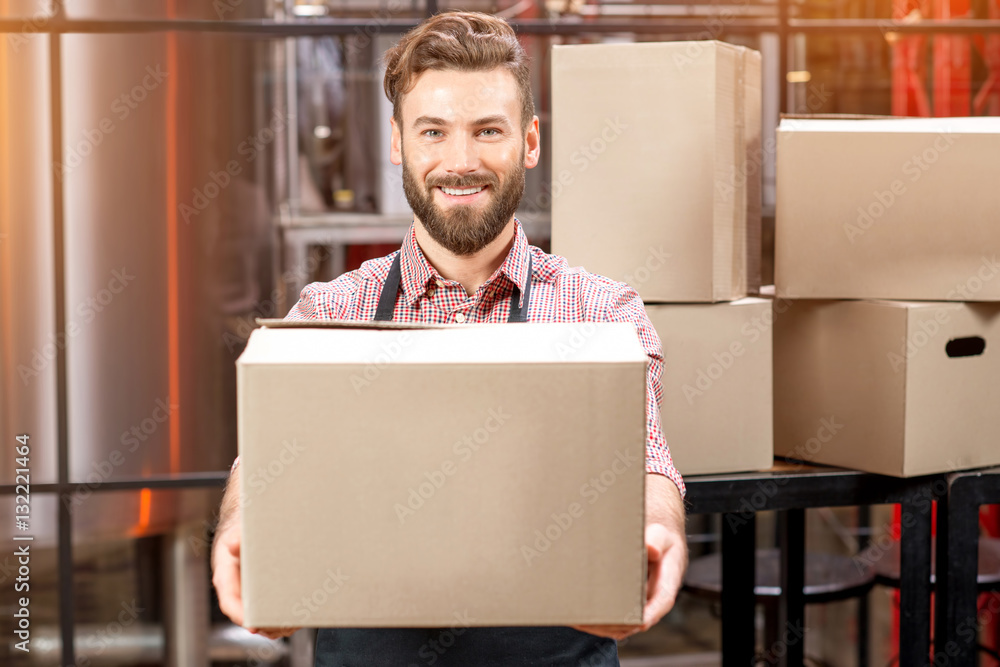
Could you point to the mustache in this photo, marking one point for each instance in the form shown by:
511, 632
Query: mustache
470, 181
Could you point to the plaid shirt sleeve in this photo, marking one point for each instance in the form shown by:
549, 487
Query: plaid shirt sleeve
306, 308
327, 301
628, 307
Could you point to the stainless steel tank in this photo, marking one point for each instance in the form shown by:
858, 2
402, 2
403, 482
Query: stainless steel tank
165, 175
166, 189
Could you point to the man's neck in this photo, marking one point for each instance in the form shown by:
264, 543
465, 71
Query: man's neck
470, 270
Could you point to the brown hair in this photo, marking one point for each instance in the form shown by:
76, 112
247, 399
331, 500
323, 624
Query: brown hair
464, 41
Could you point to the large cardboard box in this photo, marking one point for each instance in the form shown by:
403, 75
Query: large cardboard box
717, 410
403, 477
897, 388
656, 166
888, 209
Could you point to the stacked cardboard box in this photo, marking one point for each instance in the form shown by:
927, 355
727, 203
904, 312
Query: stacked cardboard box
656, 182
902, 216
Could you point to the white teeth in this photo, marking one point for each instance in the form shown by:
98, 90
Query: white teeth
466, 191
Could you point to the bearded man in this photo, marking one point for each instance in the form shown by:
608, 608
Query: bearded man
465, 131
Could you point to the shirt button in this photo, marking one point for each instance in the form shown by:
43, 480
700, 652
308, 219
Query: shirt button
459, 317
439, 283
430, 292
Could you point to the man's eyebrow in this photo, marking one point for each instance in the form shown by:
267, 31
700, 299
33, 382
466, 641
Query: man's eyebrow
496, 119
429, 120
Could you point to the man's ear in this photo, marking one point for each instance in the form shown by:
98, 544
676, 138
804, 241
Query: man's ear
395, 144
532, 145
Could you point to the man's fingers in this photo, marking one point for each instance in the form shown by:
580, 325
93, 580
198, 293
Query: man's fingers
226, 579
232, 542
660, 602
227, 587
274, 633
658, 543
617, 632
652, 581
666, 567
664, 583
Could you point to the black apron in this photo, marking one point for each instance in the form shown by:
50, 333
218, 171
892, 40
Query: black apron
461, 646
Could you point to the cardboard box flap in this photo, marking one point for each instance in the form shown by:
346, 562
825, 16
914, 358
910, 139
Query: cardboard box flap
908, 305
530, 343
275, 323
649, 55
836, 116
747, 301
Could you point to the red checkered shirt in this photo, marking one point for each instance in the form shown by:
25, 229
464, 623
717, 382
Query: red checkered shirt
558, 294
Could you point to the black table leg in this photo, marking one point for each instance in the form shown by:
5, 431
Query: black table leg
915, 580
961, 572
792, 604
739, 540
864, 526
942, 589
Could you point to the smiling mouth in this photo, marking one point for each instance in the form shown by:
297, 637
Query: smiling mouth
462, 192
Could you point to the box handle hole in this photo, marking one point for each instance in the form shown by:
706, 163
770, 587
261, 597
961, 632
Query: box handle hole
972, 346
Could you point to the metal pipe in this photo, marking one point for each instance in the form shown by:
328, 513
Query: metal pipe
189, 480
885, 26
561, 26
186, 613
292, 124
783, 54
101, 646
65, 517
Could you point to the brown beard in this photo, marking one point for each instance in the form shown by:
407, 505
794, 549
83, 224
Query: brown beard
464, 230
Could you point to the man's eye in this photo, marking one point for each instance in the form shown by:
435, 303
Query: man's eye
432, 133
490, 132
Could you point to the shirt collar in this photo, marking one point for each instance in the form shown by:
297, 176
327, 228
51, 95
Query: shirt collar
416, 272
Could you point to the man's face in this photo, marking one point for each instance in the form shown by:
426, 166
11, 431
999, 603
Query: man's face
464, 155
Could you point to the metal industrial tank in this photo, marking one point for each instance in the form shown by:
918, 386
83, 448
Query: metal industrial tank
165, 196
167, 249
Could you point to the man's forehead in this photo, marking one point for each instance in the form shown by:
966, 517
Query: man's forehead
456, 95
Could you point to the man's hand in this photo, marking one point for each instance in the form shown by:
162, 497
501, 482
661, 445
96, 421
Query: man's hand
226, 561
666, 552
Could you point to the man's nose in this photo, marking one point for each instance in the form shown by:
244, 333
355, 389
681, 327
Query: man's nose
461, 155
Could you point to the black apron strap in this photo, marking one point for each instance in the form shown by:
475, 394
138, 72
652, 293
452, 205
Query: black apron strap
390, 290
387, 299
519, 313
